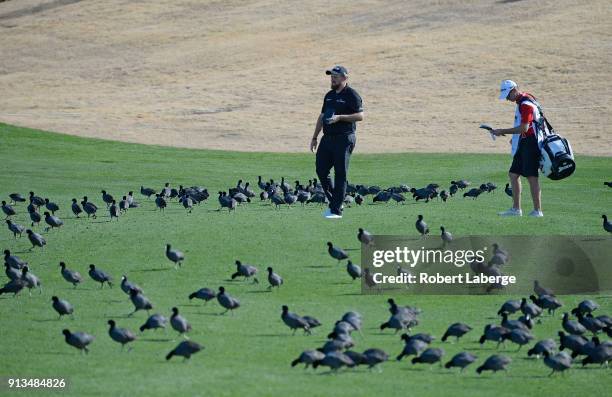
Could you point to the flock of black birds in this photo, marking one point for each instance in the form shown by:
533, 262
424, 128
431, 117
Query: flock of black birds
337, 351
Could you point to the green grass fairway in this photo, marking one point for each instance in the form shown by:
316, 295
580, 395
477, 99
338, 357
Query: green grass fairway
249, 353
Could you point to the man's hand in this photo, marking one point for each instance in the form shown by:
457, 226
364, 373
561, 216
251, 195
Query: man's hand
333, 119
313, 144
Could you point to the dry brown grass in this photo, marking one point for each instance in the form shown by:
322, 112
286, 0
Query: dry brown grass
244, 75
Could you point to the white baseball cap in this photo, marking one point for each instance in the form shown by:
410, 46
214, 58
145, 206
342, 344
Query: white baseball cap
506, 87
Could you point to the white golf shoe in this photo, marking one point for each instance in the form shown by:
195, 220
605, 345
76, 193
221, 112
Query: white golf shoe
330, 215
511, 212
536, 214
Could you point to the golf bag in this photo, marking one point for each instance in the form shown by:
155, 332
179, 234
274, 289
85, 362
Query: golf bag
556, 155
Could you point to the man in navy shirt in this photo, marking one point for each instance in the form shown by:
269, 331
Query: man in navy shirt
341, 110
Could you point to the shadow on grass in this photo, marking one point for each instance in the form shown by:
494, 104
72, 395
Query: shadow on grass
276, 335
47, 320
159, 269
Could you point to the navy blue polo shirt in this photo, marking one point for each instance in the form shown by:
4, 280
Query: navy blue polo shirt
346, 101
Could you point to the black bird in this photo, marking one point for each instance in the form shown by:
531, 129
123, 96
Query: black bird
600, 354
508, 190
462, 184
412, 347
166, 191
334, 360
457, 330
312, 322
34, 216
227, 301
127, 286
79, 340
575, 343
571, 326
31, 281
187, 203
493, 333
35, 200
154, 321
131, 202
11, 272
107, 198
293, 321
494, 363
140, 302
179, 323
608, 184
100, 276
53, 221
446, 237
373, 357
7, 209
274, 279
206, 294
246, 271
558, 363
185, 349
62, 307
308, 357
530, 309
76, 208
51, 206
444, 195
421, 194
15, 228
474, 192
547, 302
519, 336
429, 356
421, 226
453, 189
160, 202
124, 205
176, 256
13, 260
36, 239
120, 335
606, 224
540, 347
230, 203
113, 210
461, 360
353, 270
510, 307
89, 207
591, 323
382, 196
17, 198
365, 237
147, 191
512, 324
13, 287
335, 252
586, 306
71, 276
